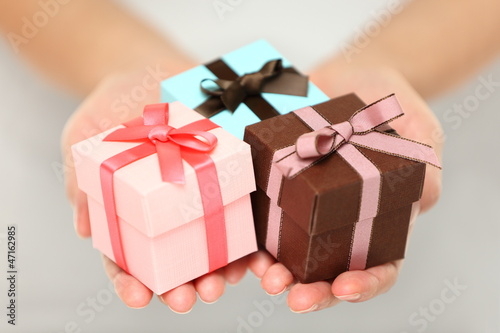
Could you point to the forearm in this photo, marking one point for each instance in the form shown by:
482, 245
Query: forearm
435, 44
86, 40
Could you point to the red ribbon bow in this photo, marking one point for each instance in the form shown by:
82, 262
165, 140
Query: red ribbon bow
167, 139
190, 143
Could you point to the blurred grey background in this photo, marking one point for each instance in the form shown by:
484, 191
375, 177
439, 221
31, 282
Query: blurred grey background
62, 286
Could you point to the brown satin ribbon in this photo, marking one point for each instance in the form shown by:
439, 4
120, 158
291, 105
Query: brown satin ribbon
234, 89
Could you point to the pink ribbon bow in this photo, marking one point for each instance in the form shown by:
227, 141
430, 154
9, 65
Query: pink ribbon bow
360, 130
190, 143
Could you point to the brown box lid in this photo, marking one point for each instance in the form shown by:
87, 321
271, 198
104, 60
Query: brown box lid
327, 195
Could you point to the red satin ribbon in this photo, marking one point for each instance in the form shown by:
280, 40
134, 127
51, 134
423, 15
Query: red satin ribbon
191, 143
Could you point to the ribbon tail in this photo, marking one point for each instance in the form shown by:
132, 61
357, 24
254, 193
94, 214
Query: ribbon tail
210, 107
397, 146
156, 114
378, 113
213, 208
287, 83
199, 125
170, 160
107, 169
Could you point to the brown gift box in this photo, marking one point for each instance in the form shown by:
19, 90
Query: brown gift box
320, 206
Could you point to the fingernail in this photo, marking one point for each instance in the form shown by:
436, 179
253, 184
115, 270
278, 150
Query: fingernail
311, 309
278, 293
178, 312
206, 302
351, 297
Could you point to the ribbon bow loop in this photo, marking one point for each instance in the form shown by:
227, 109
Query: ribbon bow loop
359, 130
200, 141
272, 77
169, 141
323, 141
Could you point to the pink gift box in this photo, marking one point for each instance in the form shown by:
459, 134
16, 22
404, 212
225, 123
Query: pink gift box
162, 225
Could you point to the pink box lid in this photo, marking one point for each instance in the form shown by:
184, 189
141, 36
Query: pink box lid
142, 199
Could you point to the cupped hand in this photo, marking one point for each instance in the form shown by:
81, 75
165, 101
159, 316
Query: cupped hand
419, 124
117, 99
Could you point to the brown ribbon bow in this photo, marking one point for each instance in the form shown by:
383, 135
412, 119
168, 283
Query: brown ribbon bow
271, 78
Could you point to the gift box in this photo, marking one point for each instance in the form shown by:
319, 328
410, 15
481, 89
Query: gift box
335, 186
168, 195
249, 84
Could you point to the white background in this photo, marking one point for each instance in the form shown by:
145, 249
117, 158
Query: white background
59, 273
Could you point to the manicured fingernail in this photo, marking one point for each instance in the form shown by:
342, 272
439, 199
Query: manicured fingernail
207, 302
351, 297
174, 311
311, 309
278, 293
178, 312
137, 307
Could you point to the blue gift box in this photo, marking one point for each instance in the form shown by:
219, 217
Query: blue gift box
185, 87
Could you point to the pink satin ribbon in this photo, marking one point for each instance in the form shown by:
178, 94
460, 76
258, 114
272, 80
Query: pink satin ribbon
359, 130
190, 143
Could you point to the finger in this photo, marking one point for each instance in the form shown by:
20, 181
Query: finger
81, 218
235, 271
210, 286
259, 262
426, 129
432, 188
277, 279
360, 286
304, 298
77, 198
132, 292
181, 299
